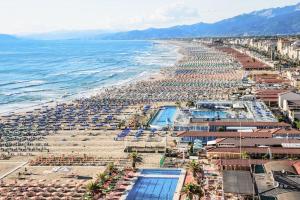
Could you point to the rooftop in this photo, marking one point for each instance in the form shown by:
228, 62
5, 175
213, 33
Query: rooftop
254, 142
238, 182
225, 134
296, 166
248, 124
289, 196
259, 133
259, 150
279, 166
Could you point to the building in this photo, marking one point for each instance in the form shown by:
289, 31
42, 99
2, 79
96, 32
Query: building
289, 196
294, 77
238, 183
289, 103
254, 152
245, 125
279, 180
289, 48
255, 142
205, 136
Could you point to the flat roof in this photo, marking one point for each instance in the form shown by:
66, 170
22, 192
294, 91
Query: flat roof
259, 133
261, 150
252, 142
236, 123
279, 165
238, 182
289, 196
225, 134
240, 162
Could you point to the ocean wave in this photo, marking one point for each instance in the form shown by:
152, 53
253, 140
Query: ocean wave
60, 75
33, 83
27, 92
85, 71
14, 82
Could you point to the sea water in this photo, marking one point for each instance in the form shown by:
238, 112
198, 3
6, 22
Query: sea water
35, 72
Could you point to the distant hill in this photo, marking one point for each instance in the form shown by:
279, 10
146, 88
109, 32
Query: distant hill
272, 21
4, 37
66, 35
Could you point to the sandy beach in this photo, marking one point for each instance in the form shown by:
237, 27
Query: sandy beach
67, 140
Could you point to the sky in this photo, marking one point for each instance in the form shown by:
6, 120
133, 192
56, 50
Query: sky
38, 16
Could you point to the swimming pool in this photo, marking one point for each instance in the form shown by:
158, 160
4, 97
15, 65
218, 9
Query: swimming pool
161, 172
210, 114
160, 184
164, 117
149, 188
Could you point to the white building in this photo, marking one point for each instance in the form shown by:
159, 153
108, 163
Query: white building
289, 103
289, 48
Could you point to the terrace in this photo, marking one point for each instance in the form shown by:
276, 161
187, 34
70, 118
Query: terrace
231, 110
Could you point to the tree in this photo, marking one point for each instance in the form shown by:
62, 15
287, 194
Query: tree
221, 129
245, 155
192, 190
178, 104
281, 118
92, 188
102, 177
296, 123
194, 167
135, 158
191, 149
110, 168
136, 121
175, 143
121, 123
190, 104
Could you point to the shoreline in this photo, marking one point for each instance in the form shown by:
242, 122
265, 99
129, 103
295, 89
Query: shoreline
96, 92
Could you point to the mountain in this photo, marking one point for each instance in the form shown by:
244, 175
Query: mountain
66, 35
274, 21
5, 37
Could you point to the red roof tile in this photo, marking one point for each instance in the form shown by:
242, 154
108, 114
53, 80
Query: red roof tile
297, 167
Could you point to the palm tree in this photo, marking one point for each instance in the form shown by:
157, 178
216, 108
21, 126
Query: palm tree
121, 123
175, 143
191, 149
190, 104
178, 104
102, 177
192, 190
110, 168
135, 158
92, 188
245, 155
194, 167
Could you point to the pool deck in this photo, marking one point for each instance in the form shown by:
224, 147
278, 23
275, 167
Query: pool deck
179, 184
181, 178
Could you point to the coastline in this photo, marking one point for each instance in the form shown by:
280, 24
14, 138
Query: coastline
96, 92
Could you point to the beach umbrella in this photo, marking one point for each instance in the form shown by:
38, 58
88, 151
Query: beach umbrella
56, 194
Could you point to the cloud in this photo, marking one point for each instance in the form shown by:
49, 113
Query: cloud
176, 13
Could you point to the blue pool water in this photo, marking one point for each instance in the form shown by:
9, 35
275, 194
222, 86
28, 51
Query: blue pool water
164, 117
161, 172
149, 188
210, 114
